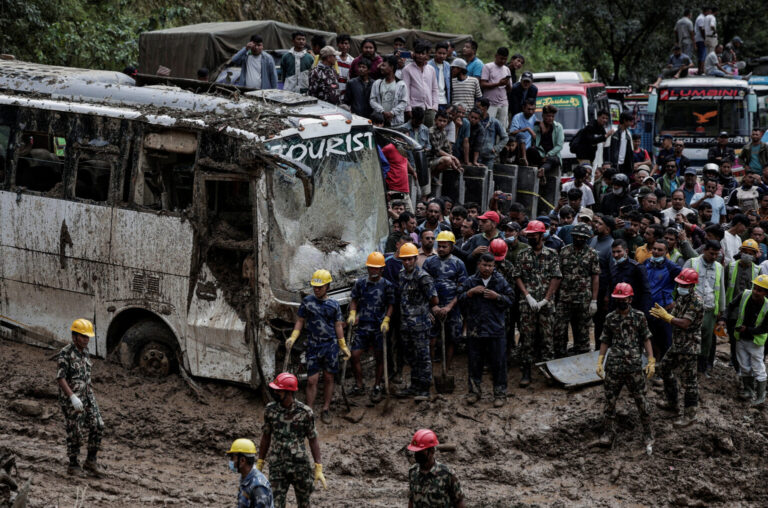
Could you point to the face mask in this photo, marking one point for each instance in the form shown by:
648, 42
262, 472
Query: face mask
659, 259
546, 235
747, 258
621, 260
232, 466
579, 241
618, 191
421, 457
683, 291
622, 304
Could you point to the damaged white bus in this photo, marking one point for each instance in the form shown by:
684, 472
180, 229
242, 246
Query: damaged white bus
185, 225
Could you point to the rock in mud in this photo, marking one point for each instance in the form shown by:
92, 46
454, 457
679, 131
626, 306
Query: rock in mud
26, 407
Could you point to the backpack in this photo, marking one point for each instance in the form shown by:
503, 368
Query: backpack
575, 144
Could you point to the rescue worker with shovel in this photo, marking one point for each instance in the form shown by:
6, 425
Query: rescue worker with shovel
485, 297
370, 309
287, 423
686, 318
626, 333
750, 332
430, 483
323, 318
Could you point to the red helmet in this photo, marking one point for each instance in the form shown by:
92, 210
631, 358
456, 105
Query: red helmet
498, 248
687, 276
285, 381
622, 290
535, 226
423, 439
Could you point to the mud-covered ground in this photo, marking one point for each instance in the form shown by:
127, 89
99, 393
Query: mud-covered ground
163, 447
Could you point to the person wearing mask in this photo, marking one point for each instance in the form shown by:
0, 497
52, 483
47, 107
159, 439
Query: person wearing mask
296, 64
661, 274
612, 203
750, 334
624, 269
388, 95
431, 483
739, 274
254, 490
257, 68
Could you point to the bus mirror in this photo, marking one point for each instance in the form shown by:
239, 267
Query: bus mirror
752, 103
653, 100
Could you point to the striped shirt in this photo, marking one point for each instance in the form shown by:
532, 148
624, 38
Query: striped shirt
465, 92
344, 66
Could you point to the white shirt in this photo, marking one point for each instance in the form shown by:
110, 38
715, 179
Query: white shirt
253, 71
626, 141
450, 132
442, 98
699, 24
670, 214
731, 244
587, 197
710, 25
486, 281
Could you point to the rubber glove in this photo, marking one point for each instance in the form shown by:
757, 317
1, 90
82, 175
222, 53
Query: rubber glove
344, 349
260, 465
592, 308
532, 303
352, 317
660, 313
650, 369
319, 475
543, 303
76, 403
385, 325
600, 372
289, 343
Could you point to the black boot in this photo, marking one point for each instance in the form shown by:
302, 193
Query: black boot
74, 466
671, 401
91, 466
525, 380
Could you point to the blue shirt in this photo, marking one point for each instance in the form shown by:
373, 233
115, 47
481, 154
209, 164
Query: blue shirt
754, 160
520, 122
661, 280
486, 317
321, 317
461, 135
392, 267
718, 206
475, 68
373, 299
448, 274
255, 491
416, 290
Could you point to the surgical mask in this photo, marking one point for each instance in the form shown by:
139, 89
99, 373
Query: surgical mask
747, 258
232, 466
421, 457
683, 291
546, 235
622, 304
579, 241
621, 260
659, 259
618, 191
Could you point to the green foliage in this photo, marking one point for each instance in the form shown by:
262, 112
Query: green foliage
545, 48
460, 17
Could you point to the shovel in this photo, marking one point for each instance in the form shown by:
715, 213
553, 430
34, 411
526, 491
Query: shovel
344, 372
443, 383
387, 408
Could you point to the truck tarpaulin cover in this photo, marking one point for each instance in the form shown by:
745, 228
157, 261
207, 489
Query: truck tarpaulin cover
385, 40
185, 49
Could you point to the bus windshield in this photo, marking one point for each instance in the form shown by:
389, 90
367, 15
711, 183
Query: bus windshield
570, 110
347, 217
703, 119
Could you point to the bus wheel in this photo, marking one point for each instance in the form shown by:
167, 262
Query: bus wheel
149, 345
155, 360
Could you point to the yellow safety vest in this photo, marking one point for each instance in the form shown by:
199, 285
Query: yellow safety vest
734, 266
757, 339
696, 265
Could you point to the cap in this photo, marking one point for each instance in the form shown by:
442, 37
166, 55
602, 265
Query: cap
736, 38
648, 178
460, 63
723, 134
329, 51
690, 171
544, 219
491, 216
527, 76
585, 212
512, 225
644, 167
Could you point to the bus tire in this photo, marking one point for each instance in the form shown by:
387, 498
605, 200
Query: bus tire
150, 346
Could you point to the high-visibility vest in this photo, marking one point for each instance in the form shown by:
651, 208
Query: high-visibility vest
757, 339
734, 266
675, 255
696, 265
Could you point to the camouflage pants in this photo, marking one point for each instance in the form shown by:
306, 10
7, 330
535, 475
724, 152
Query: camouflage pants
284, 474
536, 330
575, 314
416, 346
89, 419
686, 364
635, 383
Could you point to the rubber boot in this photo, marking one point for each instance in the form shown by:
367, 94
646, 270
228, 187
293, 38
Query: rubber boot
760, 394
525, 380
748, 388
91, 466
670, 403
688, 417
74, 466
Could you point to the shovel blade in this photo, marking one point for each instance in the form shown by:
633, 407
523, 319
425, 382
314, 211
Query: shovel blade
445, 384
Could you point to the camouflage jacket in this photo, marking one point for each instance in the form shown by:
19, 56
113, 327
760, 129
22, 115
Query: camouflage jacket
75, 368
324, 84
448, 274
288, 428
506, 269
578, 266
625, 335
321, 317
255, 491
436, 488
416, 289
536, 272
372, 299
687, 341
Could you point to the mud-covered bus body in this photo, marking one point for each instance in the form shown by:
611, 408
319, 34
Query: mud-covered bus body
186, 226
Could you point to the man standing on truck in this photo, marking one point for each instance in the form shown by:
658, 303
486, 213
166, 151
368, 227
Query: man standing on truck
287, 422
77, 401
322, 316
296, 64
257, 67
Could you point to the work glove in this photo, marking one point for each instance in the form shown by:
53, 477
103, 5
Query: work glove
319, 475
592, 308
352, 317
289, 343
660, 313
650, 369
260, 465
600, 371
76, 403
543, 304
532, 303
384, 325
344, 349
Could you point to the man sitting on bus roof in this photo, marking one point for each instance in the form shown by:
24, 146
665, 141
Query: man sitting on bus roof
677, 66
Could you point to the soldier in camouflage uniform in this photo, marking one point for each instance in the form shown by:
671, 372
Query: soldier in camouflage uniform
537, 275
686, 317
254, 489
76, 398
449, 273
577, 298
287, 423
626, 333
430, 483
417, 296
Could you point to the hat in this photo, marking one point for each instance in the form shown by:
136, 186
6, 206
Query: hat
649, 177
691, 171
666, 136
527, 76
460, 63
585, 212
736, 38
512, 225
644, 167
491, 216
723, 134
545, 219
329, 51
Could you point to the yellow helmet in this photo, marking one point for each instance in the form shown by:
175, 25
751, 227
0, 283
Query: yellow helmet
408, 250
446, 236
761, 280
243, 446
750, 244
375, 260
83, 327
321, 278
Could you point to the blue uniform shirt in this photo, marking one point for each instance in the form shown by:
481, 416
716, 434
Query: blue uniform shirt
447, 274
486, 317
321, 316
661, 280
255, 491
416, 289
372, 298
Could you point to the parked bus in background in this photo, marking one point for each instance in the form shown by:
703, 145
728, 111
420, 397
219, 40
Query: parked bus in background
759, 85
696, 109
185, 226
